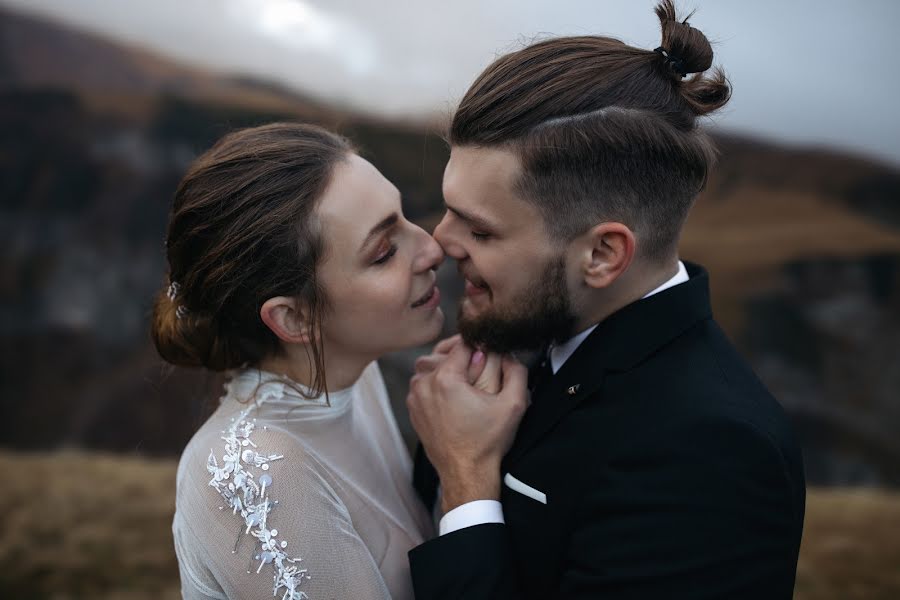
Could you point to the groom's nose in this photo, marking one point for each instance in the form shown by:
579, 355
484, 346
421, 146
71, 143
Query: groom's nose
446, 235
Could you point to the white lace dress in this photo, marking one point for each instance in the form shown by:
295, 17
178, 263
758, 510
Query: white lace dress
282, 496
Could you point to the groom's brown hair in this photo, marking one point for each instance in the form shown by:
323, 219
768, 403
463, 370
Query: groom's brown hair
604, 131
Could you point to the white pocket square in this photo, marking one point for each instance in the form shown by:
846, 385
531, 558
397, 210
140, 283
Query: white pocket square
524, 489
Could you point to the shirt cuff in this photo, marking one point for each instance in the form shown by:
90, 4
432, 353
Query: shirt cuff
477, 512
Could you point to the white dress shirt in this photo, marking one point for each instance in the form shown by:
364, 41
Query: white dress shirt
479, 512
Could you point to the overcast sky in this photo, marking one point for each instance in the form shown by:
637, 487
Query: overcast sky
804, 71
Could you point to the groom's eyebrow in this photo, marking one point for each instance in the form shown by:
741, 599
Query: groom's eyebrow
474, 220
383, 225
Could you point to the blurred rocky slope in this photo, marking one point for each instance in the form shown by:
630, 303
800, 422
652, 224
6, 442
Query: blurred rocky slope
803, 246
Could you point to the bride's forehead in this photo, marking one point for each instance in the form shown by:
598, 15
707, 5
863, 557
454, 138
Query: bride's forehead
357, 174
358, 197
357, 188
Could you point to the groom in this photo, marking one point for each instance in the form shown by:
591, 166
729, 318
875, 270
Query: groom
650, 462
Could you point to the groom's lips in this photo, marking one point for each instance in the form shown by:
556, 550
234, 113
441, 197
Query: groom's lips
473, 289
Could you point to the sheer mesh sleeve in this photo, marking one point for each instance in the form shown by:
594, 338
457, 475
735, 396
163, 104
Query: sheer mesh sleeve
258, 517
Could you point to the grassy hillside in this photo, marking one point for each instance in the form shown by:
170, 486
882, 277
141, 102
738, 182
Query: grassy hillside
78, 525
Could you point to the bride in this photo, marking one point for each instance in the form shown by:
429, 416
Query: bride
292, 267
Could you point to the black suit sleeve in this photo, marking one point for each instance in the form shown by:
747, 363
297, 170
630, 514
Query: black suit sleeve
705, 511
474, 562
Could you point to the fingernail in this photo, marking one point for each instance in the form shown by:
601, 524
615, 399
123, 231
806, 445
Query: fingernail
477, 357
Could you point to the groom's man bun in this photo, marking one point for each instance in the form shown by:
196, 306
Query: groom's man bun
604, 131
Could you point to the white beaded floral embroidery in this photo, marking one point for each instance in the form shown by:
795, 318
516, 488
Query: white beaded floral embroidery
246, 494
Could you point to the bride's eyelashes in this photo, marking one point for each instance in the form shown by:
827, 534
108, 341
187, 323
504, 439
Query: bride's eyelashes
385, 255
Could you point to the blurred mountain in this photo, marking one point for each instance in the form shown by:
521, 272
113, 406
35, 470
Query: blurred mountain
803, 246
120, 79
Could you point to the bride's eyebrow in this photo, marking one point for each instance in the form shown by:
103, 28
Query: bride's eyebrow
383, 225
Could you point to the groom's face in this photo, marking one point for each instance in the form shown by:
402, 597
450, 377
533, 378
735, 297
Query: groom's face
516, 286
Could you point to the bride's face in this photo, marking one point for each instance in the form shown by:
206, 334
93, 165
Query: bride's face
378, 271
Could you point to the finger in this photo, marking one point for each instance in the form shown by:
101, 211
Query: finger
428, 363
446, 345
476, 366
457, 362
489, 380
413, 411
515, 379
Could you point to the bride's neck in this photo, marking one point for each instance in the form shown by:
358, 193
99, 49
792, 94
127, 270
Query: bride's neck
341, 370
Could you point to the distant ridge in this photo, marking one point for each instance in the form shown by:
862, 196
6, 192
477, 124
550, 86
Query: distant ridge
802, 245
39, 53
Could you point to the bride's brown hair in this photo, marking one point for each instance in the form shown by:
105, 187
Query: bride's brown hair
604, 131
242, 229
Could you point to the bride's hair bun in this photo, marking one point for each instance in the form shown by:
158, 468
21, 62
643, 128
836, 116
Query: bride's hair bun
189, 338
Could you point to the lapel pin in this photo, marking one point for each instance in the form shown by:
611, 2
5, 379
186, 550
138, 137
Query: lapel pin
574, 389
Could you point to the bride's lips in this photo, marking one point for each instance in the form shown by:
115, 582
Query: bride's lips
430, 299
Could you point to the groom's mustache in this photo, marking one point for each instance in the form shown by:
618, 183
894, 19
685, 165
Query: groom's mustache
475, 279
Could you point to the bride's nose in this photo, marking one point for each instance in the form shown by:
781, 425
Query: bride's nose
429, 255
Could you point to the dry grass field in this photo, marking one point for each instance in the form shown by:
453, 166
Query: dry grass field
91, 526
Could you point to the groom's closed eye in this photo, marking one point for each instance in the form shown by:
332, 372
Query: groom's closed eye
481, 228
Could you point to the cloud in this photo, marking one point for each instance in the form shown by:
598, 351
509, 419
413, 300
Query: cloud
302, 28
827, 81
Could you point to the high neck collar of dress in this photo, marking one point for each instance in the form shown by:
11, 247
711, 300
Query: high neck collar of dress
272, 389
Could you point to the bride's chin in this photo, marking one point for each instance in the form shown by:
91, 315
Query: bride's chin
436, 324
419, 334
431, 329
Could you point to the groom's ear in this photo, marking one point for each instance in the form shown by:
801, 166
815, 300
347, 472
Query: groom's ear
607, 252
288, 318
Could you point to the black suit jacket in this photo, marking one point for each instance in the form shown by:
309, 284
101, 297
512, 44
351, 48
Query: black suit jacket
669, 472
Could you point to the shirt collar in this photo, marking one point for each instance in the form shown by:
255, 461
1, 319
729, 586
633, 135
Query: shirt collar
560, 353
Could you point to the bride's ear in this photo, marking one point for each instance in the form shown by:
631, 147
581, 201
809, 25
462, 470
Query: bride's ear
288, 319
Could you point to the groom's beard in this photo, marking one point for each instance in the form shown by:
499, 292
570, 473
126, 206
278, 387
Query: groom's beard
542, 314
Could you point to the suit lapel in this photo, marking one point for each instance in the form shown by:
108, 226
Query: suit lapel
620, 342
550, 402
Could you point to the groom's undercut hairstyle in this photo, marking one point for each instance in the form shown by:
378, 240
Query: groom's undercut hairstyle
604, 131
